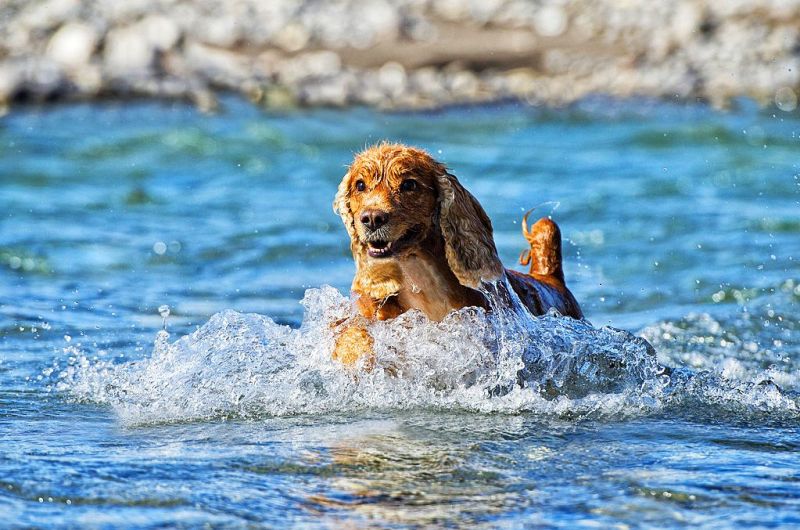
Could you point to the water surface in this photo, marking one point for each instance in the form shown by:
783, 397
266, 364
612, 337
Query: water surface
681, 225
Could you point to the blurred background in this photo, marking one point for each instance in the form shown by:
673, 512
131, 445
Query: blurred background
399, 53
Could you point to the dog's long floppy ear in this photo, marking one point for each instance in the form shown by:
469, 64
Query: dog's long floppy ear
467, 231
341, 205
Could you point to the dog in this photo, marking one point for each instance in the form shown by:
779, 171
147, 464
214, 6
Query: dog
421, 241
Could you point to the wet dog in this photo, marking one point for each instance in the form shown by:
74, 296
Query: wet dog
421, 241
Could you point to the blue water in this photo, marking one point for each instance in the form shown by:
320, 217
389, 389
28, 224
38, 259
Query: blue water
681, 224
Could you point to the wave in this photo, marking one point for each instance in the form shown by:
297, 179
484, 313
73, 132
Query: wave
499, 361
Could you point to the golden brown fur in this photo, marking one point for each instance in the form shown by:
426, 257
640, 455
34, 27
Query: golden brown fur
420, 240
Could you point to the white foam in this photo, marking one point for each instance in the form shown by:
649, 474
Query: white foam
247, 366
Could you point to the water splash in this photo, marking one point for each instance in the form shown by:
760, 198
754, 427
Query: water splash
163, 310
503, 360
741, 364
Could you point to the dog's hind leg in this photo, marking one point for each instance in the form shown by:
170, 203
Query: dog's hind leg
544, 254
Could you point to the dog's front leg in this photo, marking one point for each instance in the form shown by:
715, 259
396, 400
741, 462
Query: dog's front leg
353, 341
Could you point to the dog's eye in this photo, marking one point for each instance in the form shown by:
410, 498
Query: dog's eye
408, 185
360, 186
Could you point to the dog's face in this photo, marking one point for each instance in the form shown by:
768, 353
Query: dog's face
393, 199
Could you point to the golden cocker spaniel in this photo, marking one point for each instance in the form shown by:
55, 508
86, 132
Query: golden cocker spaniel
422, 241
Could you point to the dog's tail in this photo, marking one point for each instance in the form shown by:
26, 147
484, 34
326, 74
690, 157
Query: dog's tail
544, 254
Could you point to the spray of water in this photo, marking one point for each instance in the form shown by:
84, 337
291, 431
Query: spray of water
501, 360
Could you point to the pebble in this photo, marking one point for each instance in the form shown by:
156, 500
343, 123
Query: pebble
292, 38
309, 52
225, 68
9, 82
550, 21
128, 52
72, 45
392, 78
161, 32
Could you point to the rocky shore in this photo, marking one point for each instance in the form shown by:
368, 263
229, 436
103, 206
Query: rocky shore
399, 54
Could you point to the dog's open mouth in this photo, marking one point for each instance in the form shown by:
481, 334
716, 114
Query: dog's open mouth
380, 248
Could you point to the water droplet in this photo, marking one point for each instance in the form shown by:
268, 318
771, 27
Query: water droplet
163, 310
159, 247
786, 99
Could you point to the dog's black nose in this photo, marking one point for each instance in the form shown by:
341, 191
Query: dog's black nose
374, 219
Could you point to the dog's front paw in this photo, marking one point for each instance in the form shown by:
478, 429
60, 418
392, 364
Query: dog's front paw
353, 344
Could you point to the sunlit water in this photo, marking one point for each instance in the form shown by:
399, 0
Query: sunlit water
681, 225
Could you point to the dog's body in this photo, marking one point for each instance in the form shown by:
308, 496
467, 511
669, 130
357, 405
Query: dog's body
422, 241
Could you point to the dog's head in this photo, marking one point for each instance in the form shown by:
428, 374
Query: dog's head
394, 198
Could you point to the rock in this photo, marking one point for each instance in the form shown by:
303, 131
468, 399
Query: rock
429, 82
331, 91
225, 68
186, 16
516, 14
222, 32
420, 29
367, 91
463, 85
10, 79
322, 63
267, 64
87, 78
452, 10
47, 14
72, 45
483, 11
37, 80
16, 41
278, 97
377, 21
550, 21
520, 82
292, 38
786, 99
392, 78
128, 52
309, 65
161, 32
204, 99
686, 21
